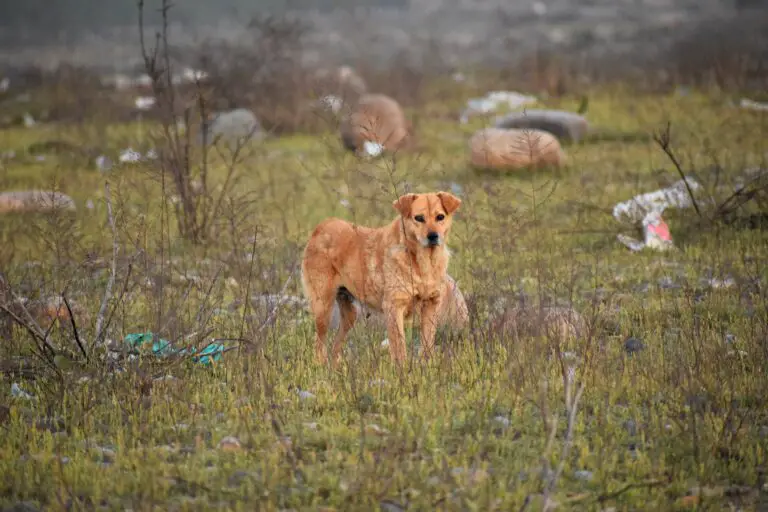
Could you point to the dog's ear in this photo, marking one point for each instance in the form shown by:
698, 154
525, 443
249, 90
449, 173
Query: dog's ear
403, 204
450, 202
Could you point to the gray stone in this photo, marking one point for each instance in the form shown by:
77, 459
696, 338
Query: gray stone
633, 345
566, 126
235, 127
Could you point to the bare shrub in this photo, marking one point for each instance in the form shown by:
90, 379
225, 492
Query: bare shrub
183, 158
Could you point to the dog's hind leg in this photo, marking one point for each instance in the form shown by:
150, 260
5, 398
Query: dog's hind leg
320, 286
348, 316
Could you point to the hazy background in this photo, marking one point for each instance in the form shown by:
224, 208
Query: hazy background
102, 33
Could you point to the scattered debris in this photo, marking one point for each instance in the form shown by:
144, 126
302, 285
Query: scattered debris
502, 421
656, 235
305, 395
162, 348
5, 84
566, 126
330, 103
646, 209
637, 208
493, 101
583, 475
104, 163
35, 201
28, 120
17, 392
145, 102
130, 155
753, 105
372, 149
190, 75
376, 430
230, 444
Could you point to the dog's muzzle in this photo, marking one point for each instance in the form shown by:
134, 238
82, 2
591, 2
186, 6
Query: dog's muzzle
433, 239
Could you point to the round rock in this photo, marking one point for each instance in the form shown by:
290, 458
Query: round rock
502, 149
566, 126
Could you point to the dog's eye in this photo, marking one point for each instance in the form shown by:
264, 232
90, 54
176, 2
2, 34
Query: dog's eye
440, 217
419, 218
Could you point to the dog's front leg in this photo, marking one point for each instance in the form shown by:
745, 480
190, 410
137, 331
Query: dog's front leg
395, 312
429, 314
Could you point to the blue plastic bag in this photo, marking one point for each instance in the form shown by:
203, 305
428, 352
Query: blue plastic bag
162, 348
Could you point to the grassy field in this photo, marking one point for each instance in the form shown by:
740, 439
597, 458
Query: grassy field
676, 421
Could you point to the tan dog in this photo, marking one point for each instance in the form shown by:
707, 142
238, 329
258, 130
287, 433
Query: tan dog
399, 269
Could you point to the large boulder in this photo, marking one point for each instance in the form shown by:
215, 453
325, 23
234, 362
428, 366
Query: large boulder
35, 201
501, 149
453, 314
376, 123
566, 126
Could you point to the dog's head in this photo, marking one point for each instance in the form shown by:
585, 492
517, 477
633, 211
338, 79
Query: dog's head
427, 217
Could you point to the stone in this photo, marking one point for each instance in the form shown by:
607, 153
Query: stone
27, 201
376, 430
453, 314
566, 126
633, 345
230, 444
376, 119
235, 127
502, 149
525, 321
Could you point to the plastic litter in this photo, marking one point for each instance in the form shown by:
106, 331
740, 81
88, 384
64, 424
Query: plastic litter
130, 155
493, 101
656, 235
372, 149
330, 103
753, 105
646, 210
206, 356
637, 208
103, 163
5, 84
17, 392
145, 102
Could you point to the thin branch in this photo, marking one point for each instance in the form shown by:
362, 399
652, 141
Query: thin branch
664, 139
279, 303
113, 273
74, 326
43, 338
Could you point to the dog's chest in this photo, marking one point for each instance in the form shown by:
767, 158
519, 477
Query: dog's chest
421, 278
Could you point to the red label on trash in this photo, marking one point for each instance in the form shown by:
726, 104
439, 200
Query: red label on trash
661, 230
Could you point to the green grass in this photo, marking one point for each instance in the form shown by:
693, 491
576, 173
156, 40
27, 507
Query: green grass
466, 431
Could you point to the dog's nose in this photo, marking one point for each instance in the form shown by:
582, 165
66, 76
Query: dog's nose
433, 237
